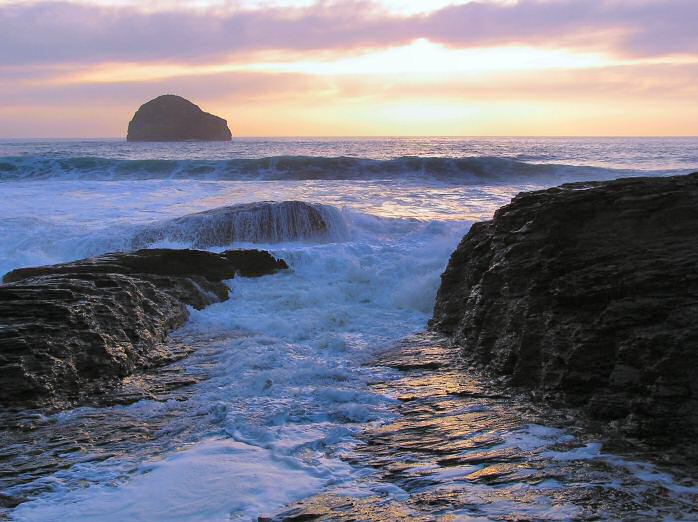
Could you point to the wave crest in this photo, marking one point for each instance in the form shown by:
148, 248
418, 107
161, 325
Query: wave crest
454, 170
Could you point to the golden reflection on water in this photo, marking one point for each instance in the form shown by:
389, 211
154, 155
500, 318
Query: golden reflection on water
461, 448
381, 198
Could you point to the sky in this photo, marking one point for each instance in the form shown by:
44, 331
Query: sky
81, 68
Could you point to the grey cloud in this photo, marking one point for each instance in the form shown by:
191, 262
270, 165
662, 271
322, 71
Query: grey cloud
63, 32
632, 27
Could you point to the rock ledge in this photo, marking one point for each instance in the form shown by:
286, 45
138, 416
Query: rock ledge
72, 330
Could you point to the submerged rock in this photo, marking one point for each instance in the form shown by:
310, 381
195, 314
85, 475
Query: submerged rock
68, 331
173, 118
588, 293
260, 222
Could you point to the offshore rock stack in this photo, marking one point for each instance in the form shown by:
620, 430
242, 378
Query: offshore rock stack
173, 118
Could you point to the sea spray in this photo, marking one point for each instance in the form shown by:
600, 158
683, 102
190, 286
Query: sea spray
261, 222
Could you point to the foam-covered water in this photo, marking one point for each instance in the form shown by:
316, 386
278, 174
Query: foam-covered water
289, 358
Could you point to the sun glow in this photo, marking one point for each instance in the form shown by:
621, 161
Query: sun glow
425, 57
358, 67
421, 58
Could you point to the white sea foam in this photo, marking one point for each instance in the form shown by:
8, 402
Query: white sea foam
53, 221
215, 480
287, 387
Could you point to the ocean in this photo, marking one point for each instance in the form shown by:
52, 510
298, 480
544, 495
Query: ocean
289, 378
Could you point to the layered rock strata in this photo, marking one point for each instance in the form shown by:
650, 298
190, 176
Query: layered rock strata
68, 331
588, 294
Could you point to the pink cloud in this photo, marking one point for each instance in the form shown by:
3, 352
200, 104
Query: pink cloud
63, 32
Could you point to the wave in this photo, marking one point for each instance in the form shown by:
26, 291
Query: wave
260, 222
33, 241
465, 170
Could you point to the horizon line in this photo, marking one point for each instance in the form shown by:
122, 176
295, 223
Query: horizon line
367, 136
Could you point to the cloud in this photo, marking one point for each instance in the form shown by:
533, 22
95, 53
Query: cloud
238, 87
63, 32
614, 83
631, 27
60, 60
78, 33
647, 99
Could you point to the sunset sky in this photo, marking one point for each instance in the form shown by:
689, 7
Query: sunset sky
358, 68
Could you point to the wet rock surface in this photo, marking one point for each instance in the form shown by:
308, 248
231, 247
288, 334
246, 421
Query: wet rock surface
588, 294
36, 447
464, 448
458, 446
70, 331
264, 221
173, 118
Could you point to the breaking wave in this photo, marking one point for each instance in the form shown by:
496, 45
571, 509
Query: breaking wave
260, 222
33, 241
464, 170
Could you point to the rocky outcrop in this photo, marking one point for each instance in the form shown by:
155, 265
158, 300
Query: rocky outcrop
259, 222
173, 118
587, 293
68, 331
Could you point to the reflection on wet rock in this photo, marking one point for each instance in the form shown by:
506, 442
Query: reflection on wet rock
462, 448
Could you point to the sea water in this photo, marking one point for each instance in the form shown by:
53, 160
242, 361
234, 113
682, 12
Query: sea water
288, 359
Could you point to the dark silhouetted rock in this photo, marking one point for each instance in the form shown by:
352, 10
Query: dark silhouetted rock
173, 118
68, 331
587, 293
260, 222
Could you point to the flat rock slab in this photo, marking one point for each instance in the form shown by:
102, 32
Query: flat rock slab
68, 331
588, 294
